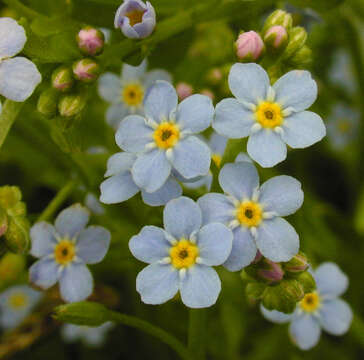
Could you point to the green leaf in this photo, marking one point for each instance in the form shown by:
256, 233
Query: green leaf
8, 115
45, 26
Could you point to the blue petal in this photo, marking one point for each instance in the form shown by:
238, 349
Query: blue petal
275, 316
191, 157
216, 208
239, 180
335, 316
296, 89
181, 217
214, 243
133, 134
243, 251
150, 245
131, 73
157, 283
195, 113
277, 240
232, 119
151, 170
116, 113
92, 244
170, 190
217, 144
120, 162
72, 220
201, 287
44, 273
129, 30
146, 27
155, 75
330, 280
248, 82
71, 333
160, 101
76, 283
43, 239
266, 148
281, 194
118, 188
305, 331
243, 157
109, 88
12, 38
19, 77
205, 181
303, 129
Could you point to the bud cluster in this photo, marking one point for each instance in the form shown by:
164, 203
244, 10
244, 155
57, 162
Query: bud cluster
279, 286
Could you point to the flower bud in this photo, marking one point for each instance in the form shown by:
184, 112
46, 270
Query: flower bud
9, 196
307, 281
17, 235
11, 267
297, 38
302, 57
86, 70
249, 46
47, 102
82, 313
183, 90
90, 41
71, 105
278, 17
3, 222
258, 257
270, 271
276, 37
254, 291
297, 264
62, 79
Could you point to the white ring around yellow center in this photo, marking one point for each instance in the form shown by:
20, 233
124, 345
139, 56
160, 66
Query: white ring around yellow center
64, 252
269, 114
183, 254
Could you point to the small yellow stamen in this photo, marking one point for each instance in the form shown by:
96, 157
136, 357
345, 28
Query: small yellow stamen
216, 158
135, 16
183, 254
249, 213
64, 252
311, 302
18, 300
133, 94
166, 135
268, 114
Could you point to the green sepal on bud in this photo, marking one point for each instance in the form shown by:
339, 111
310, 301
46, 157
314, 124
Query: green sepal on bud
62, 79
82, 313
47, 102
9, 197
71, 105
297, 39
302, 58
254, 291
11, 267
297, 264
86, 70
17, 236
307, 281
3, 222
278, 17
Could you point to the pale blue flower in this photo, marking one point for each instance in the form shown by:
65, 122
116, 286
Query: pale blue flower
135, 19
18, 75
342, 126
272, 116
126, 93
322, 309
16, 303
94, 336
341, 72
254, 214
181, 256
164, 139
120, 185
93, 204
64, 250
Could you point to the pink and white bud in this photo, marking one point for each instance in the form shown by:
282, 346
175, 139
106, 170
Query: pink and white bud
208, 93
276, 37
184, 90
249, 46
91, 41
86, 70
271, 272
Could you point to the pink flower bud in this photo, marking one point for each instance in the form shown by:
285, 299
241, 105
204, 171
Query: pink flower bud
184, 90
90, 41
86, 70
271, 272
276, 36
249, 46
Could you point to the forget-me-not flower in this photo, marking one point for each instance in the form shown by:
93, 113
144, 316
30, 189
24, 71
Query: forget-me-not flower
164, 139
18, 75
254, 214
16, 303
120, 185
272, 116
135, 19
181, 256
93, 336
321, 309
64, 250
126, 93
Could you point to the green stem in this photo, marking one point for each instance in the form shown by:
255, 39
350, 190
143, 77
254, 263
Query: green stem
57, 201
10, 111
197, 333
155, 331
21, 9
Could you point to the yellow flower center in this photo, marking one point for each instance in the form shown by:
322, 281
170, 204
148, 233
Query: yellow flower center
18, 300
216, 158
269, 114
64, 252
135, 16
133, 94
311, 302
183, 254
344, 126
166, 135
249, 213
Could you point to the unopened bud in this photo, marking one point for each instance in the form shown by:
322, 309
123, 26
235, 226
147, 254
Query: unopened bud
278, 17
258, 257
184, 90
90, 41
11, 267
307, 281
47, 102
297, 264
3, 222
297, 39
71, 105
276, 37
249, 46
9, 196
62, 78
254, 291
86, 70
17, 235
270, 271
302, 57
